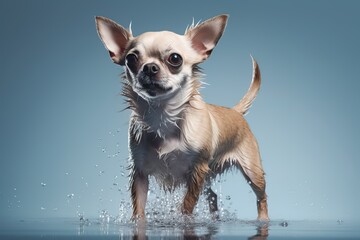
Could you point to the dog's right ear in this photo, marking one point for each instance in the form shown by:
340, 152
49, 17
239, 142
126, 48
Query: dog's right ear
115, 38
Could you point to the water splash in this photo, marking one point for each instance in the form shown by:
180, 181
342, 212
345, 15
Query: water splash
71, 196
104, 216
163, 209
284, 224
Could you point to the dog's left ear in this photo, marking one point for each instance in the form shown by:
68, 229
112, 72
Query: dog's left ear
206, 35
115, 38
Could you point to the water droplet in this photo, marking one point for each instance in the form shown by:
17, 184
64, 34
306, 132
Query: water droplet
249, 182
43, 184
228, 197
284, 224
122, 174
14, 189
104, 216
71, 196
103, 150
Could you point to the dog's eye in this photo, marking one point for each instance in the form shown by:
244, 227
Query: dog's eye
175, 60
131, 60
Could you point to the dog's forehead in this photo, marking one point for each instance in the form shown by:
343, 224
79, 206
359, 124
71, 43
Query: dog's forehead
161, 41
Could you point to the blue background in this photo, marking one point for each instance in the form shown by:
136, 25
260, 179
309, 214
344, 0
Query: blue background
63, 136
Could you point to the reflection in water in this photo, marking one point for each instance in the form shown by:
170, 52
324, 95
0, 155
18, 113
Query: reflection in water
141, 231
236, 229
180, 228
185, 232
262, 232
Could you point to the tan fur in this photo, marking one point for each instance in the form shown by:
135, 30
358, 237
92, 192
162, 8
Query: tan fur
173, 134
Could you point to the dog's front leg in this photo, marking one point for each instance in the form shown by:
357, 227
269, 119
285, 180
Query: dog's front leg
195, 184
139, 188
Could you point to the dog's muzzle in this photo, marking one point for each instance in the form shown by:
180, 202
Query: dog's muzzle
149, 81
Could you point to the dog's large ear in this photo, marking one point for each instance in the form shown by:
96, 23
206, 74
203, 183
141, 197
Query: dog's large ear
114, 37
205, 36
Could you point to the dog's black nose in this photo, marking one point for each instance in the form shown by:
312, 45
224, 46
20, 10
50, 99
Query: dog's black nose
151, 69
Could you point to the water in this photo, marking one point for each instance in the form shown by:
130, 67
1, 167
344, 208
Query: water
60, 228
164, 220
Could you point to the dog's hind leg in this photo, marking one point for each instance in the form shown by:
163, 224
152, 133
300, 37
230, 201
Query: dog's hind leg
258, 186
246, 158
211, 197
249, 162
255, 177
251, 167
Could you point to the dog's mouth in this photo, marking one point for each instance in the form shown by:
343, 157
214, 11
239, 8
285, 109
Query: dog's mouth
153, 87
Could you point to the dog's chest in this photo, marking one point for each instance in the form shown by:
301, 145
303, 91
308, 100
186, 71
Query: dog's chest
168, 160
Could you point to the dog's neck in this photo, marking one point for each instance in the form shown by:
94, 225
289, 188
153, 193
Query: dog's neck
163, 117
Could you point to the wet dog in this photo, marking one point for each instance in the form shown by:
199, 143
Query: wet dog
173, 134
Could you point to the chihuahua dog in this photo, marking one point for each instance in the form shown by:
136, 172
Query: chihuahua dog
173, 134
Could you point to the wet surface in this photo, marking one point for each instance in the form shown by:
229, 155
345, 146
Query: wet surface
60, 228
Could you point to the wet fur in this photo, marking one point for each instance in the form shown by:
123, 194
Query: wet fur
181, 140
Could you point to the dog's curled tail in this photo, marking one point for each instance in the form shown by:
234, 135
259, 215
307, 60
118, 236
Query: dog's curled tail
245, 103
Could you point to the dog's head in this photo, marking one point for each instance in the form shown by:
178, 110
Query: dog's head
159, 64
